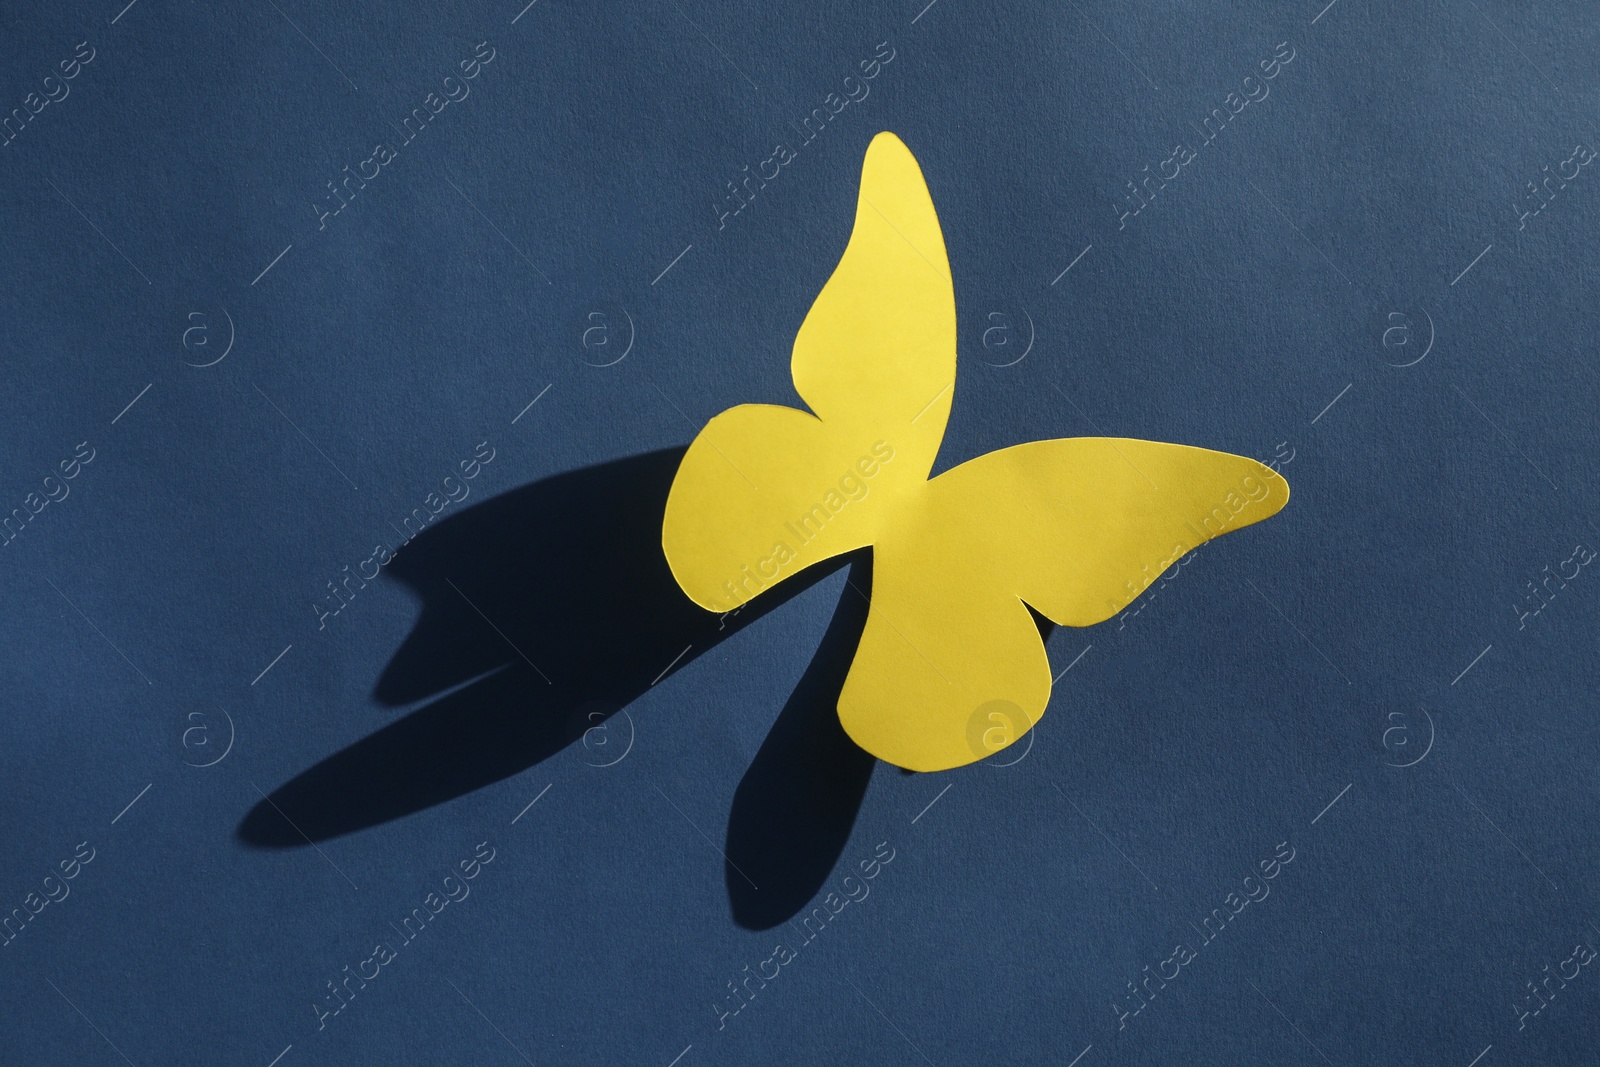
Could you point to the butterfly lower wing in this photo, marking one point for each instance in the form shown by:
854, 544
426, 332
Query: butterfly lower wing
948, 671
1077, 528
766, 491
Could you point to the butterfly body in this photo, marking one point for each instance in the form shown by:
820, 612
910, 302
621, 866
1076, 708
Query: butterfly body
951, 665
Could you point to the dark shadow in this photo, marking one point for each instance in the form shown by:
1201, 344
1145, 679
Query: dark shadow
1046, 627
794, 809
546, 610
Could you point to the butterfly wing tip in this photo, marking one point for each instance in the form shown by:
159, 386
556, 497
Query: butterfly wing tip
1281, 496
887, 149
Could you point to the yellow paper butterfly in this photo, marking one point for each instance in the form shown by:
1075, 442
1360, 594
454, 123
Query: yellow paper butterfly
951, 666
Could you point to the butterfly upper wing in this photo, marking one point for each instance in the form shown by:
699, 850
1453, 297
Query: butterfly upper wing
765, 491
951, 666
878, 347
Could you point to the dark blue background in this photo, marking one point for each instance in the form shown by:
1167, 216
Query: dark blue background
1259, 685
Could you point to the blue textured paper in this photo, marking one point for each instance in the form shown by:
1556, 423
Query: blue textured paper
1344, 759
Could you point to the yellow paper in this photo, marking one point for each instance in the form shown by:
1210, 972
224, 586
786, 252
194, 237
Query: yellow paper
951, 667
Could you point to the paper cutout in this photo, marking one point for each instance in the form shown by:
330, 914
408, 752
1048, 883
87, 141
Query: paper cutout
951, 666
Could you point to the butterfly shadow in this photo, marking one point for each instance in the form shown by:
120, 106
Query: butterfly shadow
546, 611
